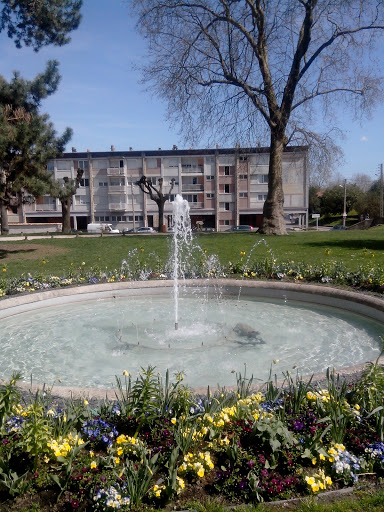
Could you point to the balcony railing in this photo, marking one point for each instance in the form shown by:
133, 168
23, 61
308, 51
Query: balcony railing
192, 170
115, 171
42, 208
189, 187
117, 189
195, 205
118, 206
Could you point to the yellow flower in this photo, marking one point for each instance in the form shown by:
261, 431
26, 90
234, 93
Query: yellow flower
314, 461
4, 269
117, 460
85, 402
173, 421
125, 373
93, 465
322, 456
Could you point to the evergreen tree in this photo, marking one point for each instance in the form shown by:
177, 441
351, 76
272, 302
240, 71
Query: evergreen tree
27, 139
39, 23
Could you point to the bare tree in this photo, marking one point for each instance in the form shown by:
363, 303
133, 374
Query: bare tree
156, 194
261, 68
362, 180
64, 190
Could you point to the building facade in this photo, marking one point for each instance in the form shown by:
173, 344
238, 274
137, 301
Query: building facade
224, 187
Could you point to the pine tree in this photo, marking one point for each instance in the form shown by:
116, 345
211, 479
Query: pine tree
39, 23
27, 139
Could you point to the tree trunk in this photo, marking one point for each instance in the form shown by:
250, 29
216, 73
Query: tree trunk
4, 219
273, 212
66, 214
160, 205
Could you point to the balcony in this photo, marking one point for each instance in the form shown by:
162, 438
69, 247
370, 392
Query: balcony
189, 187
30, 208
121, 207
195, 205
115, 171
117, 189
192, 169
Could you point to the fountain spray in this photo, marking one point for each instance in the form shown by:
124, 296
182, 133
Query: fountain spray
182, 242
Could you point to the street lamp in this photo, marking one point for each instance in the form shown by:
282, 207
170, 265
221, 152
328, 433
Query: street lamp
345, 202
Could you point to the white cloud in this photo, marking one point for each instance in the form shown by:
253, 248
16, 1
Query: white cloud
364, 138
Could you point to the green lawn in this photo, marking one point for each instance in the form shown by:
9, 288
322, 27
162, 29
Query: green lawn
56, 255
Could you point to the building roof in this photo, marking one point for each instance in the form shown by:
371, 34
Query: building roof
176, 152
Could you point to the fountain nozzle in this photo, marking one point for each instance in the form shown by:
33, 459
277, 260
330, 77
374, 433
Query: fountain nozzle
176, 326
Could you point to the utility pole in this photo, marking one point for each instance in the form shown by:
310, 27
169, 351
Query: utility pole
381, 191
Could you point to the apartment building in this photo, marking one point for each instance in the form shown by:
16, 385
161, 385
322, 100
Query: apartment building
224, 187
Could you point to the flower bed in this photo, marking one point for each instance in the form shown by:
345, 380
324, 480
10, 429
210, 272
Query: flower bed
136, 267
160, 443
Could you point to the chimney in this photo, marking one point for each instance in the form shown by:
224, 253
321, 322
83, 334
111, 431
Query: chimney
112, 148
174, 147
88, 151
130, 148
74, 150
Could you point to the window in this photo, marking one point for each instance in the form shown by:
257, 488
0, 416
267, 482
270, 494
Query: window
210, 178
191, 198
63, 165
152, 180
210, 196
152, 163
243, 194
51, 166
226, 170
194, 181
172, 198
226, 206
226, 222
116, 218
262, 197
81, 200
243, 158
84, 182
243, 176
82, 164
262, 178
227, 188
103, 183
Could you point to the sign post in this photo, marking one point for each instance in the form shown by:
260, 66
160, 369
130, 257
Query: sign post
316, 216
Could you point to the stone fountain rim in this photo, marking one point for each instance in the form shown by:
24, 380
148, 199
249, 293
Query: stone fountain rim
318, 294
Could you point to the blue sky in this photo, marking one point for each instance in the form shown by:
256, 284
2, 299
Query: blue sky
101, 99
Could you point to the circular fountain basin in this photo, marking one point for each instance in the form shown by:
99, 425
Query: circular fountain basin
86, 336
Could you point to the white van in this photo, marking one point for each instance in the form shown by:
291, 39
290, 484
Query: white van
101, 228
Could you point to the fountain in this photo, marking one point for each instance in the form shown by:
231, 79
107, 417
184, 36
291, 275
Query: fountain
86, 336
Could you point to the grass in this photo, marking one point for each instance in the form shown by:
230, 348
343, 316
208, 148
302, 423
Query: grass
57, 254
361, 501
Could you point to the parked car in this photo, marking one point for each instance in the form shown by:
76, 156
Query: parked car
242, 227
102, 228
338, 226
170, 229
145, 230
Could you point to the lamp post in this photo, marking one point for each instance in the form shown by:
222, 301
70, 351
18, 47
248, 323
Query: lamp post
345, 203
